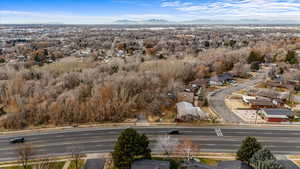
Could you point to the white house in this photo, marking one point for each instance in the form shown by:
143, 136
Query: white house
187, 112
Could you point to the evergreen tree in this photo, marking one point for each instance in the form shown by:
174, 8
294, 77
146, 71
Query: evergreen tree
291, 57
261, 156
254, 66
254, 57
247, 149
145, 151
269, 164
130, 146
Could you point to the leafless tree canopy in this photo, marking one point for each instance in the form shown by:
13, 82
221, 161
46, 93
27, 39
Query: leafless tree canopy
25, 153
104, 74
187, 148
167, 144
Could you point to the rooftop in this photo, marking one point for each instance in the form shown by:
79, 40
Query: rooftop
278, 112
150, 164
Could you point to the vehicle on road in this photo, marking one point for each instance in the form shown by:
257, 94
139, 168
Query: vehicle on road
17, 140
173, 132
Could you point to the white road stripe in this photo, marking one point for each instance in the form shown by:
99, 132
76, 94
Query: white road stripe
219, 132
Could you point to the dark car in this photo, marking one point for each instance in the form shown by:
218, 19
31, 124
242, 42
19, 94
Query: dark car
173, 132
17, 140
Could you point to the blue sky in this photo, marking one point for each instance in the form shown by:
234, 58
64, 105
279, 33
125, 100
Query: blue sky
108, 11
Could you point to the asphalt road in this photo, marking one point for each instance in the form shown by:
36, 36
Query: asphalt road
216, 99
99, 140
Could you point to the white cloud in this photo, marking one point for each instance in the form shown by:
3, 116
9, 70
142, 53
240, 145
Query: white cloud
23, 17
185, 10
170, 4
250, 9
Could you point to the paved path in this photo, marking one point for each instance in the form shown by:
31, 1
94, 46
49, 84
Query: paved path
67, 164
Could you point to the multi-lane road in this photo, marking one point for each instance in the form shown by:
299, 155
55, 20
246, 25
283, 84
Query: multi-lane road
102, 140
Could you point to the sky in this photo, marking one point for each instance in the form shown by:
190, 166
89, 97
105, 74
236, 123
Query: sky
109, 11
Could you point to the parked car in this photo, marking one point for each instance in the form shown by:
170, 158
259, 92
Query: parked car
17, 140
173, 132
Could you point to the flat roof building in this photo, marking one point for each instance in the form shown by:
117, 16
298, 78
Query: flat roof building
276, 115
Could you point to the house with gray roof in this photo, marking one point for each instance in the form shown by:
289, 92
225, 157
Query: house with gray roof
222, 165
233, 165
276, 115
150, 164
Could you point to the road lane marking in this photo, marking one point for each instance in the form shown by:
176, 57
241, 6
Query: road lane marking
218, 132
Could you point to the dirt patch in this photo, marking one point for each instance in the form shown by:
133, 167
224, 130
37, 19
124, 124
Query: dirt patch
248, 115
234, 104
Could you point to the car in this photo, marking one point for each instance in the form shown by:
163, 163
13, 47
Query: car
173, 132
17, 140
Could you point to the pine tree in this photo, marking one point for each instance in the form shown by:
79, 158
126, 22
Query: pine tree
145, 151
261, 156
247, 149
269, 164
130, 146
291, 57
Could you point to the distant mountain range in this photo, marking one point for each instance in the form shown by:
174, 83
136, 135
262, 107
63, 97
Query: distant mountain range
205, 21
149, 21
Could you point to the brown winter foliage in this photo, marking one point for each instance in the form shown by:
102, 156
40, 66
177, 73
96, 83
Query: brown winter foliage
92, 91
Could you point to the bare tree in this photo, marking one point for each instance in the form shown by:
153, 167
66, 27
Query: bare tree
25, 154
166, 144
77, 157
187, 149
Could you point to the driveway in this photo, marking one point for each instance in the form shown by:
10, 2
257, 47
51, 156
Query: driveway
94, 164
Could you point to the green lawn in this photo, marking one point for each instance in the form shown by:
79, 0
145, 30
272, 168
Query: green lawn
210, 161
72, 164
54, 165
57, 165
18, 167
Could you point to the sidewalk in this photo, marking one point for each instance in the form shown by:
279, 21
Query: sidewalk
125, 125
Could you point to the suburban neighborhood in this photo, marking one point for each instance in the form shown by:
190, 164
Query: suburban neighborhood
161, 84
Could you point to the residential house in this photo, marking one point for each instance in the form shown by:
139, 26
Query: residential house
185, 96
199, 83
258, 104
274, 84
247, 99
21, 58
222, 165
196, 165
187, 112
233, 165
150, 164
264, 93
221, 79
278, 102
276, 115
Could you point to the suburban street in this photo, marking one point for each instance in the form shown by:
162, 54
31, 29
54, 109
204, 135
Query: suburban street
101, 140
217, 98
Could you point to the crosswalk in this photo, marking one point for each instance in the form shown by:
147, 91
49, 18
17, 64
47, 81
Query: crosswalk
219, 132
